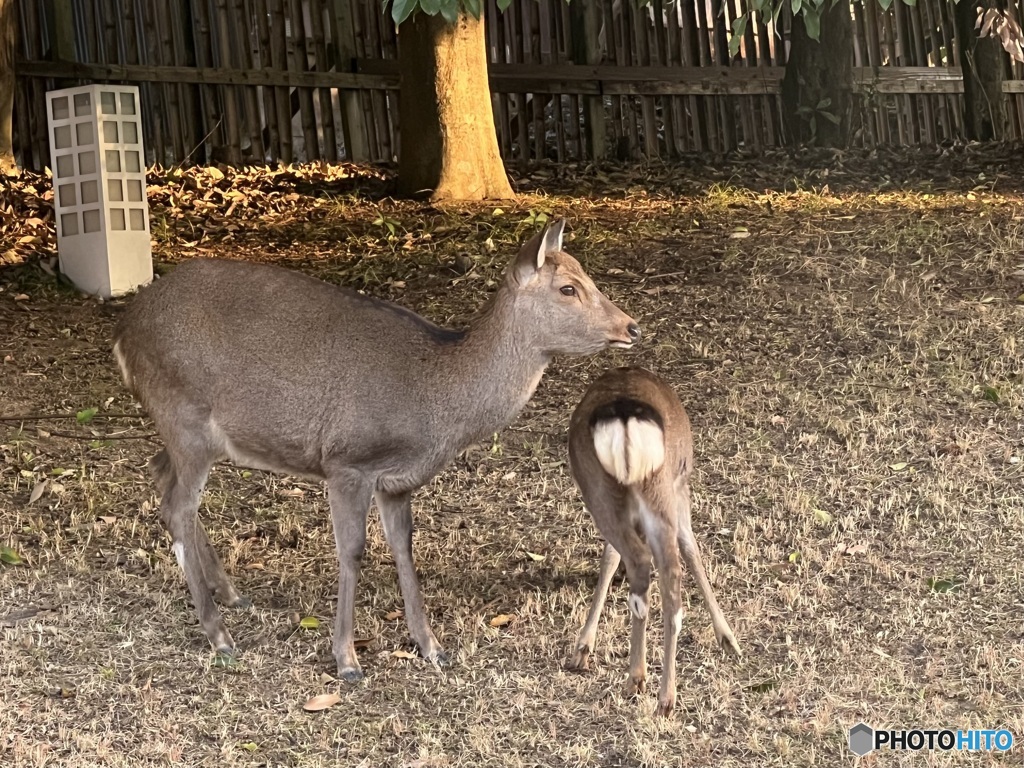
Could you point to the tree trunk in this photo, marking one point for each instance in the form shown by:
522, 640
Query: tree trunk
449, 147
817, 90
985, 66
7, 43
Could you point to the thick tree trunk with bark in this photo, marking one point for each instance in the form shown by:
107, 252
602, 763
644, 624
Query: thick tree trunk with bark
7, 42
449, 147
985, 65
817, 90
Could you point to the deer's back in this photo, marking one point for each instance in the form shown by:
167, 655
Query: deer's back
266, 351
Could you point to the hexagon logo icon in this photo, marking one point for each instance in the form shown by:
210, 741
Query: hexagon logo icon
862, 739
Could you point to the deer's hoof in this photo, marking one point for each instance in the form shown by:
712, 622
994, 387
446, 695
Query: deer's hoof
664, 708
634, 686
439, 658
351, 674
241, 603
580, 661
728, 642
225, 658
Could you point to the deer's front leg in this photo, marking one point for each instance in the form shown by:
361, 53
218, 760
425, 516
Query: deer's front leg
348, 494
396, 515
587, 639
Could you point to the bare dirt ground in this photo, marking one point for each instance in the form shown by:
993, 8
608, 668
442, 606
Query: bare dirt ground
846, 332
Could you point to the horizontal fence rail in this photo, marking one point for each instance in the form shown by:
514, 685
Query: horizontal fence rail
255, 81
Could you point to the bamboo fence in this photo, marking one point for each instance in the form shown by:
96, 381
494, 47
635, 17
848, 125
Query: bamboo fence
258, 81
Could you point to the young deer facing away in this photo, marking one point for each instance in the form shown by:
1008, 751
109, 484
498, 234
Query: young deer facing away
631, 454
276, 370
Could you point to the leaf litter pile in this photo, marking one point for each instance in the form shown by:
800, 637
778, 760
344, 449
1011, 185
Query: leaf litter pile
845, 330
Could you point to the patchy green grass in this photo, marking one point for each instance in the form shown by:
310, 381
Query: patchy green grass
851, 359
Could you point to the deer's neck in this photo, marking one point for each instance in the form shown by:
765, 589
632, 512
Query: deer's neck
492, 372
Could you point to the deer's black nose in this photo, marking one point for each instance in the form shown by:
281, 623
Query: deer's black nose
634, 331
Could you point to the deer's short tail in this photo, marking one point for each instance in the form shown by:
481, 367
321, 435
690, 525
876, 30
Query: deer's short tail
629, 440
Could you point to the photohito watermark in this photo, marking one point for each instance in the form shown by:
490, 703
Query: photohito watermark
865, 739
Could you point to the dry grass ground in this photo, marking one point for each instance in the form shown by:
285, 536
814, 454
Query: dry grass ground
852, 364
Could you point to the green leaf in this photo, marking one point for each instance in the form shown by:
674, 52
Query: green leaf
9, 557
310, 622
910, 2
945, 585
473, 8
795, 6
824, 104
898, 466
84, 417
450, 11
430, 7
885, 4
794, 557
812, 23
504, 4
250, 746
402, 9
822, 516
739, 26
991, 394
830, 117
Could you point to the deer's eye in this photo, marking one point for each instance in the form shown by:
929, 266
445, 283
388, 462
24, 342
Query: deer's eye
568, 290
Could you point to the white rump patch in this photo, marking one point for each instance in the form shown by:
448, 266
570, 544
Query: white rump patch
629, 451
637, 606
122, 364
179, 553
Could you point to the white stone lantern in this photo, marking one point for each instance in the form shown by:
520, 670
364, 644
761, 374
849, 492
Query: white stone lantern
99, 184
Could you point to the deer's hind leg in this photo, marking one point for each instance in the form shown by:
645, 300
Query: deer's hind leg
217, 580
659, 524
614, 513
182, 469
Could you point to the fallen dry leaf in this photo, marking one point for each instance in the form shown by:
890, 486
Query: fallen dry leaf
403, 654
321, 702
37, 491
501, 620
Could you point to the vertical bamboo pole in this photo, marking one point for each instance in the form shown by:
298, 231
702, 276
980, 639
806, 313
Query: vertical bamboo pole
326, 116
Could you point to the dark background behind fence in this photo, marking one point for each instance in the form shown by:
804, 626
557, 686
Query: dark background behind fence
255, 81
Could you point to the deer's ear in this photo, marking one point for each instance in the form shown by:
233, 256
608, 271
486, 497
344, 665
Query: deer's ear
552, 239
533, 254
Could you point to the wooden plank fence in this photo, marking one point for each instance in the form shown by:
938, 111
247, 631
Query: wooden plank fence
255, 81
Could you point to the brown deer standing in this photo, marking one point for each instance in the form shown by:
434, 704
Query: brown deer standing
631, 454
276, 370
